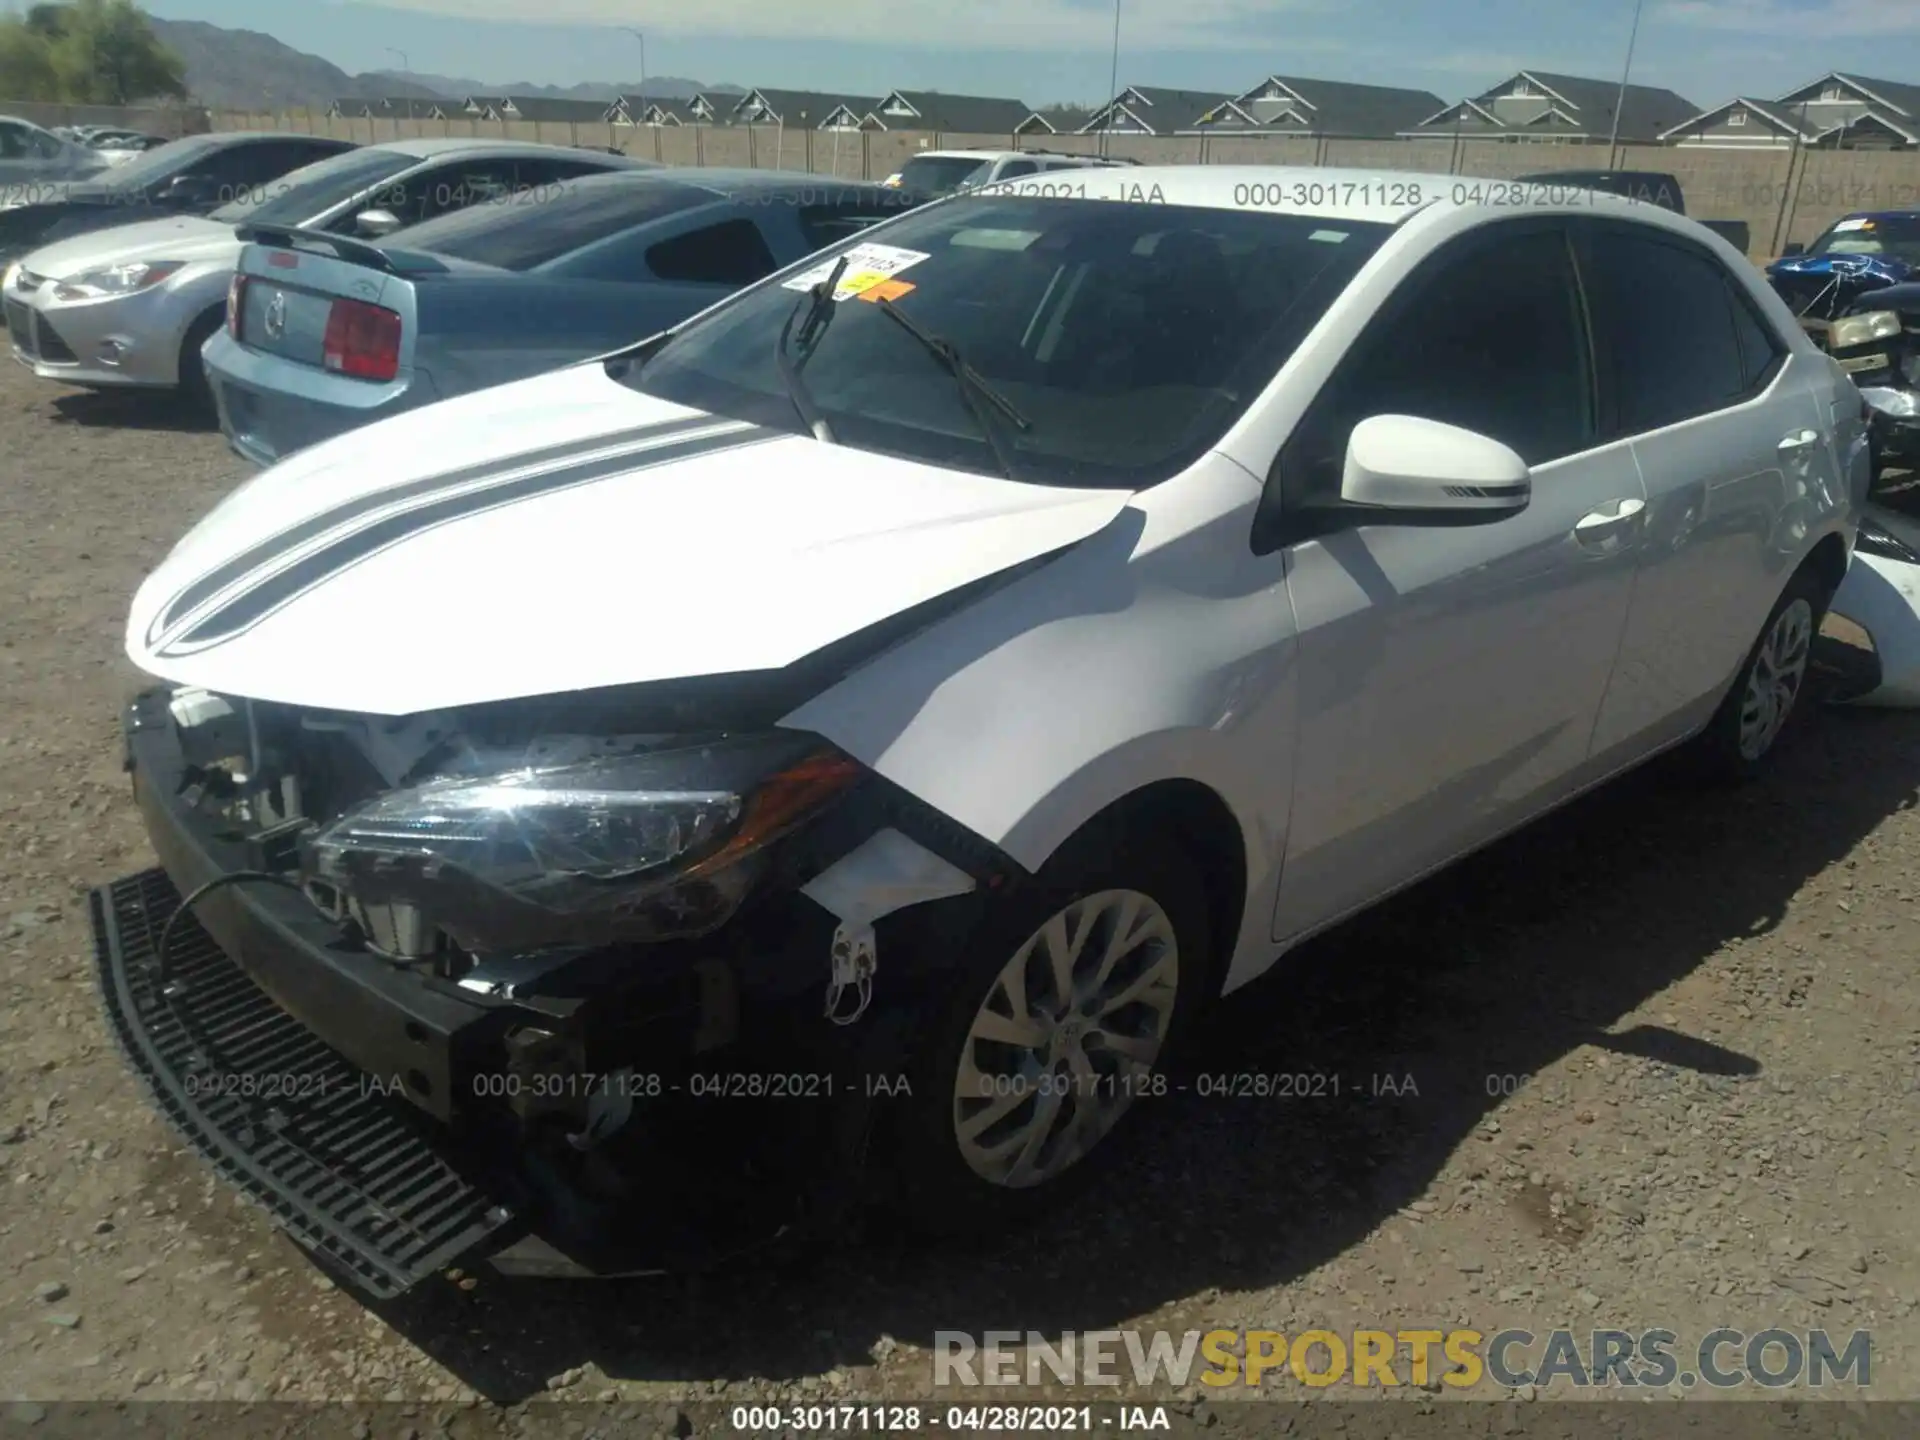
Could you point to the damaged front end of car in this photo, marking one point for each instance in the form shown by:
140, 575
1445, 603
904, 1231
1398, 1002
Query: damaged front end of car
585, 984
1864, 311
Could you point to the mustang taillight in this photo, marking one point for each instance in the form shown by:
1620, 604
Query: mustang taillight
236, 304
362, 340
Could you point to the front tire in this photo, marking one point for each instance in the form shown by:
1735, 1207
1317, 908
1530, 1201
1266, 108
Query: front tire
1746, 730
1057, 1024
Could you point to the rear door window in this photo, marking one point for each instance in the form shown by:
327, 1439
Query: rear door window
1666, 313
732, 252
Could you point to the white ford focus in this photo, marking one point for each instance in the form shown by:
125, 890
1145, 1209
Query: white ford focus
923, 681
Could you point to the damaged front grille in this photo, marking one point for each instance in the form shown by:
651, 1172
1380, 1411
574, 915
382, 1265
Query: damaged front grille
343, 1165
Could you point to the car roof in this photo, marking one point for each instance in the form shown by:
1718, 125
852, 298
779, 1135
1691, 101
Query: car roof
1906, 214
1384, 197
723, 181
430, 146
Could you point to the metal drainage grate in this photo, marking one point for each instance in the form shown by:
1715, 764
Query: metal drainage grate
351, 1174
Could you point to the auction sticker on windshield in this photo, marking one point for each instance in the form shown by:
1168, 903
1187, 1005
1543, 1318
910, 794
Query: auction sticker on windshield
867, 266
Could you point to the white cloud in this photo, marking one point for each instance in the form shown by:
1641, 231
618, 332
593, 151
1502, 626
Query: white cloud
1822, 20
976, 24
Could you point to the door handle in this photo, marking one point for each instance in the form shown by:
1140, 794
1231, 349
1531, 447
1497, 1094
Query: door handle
1798, 441
1597, 527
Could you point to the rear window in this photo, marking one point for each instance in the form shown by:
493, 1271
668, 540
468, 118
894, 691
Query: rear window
162, 162
519, 234
939, 174
297, 197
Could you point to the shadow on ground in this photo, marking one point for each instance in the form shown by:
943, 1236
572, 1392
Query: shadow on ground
1504, 965
162, 410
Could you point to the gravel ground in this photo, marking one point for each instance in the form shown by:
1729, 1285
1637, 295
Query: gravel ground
1706, 1002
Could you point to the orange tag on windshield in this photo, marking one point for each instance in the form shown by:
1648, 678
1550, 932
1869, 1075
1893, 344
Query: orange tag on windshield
885, 290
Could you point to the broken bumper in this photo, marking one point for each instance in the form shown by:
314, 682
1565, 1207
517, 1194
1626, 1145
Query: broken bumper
412, 1038
1881, 596
356, 1177
386, 1117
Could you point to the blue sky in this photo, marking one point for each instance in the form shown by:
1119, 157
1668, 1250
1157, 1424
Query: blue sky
1048, 50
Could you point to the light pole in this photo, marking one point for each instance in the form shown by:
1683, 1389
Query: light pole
1113, 79
1613, 140
405, 65
641, 37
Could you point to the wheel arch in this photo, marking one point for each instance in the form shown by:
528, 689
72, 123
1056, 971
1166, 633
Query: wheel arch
1195, 816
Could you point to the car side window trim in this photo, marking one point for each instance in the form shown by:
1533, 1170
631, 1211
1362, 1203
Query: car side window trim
1278, 524
1585, 231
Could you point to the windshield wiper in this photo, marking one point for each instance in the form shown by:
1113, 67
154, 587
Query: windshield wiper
975, 389
814, 311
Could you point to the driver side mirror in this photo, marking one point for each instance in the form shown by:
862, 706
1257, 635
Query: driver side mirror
376, 222
1403, 470
1791, 249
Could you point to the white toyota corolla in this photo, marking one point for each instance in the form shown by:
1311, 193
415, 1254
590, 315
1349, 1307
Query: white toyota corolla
907, 693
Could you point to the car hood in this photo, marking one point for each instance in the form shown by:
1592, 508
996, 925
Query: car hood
187, 238
566, 533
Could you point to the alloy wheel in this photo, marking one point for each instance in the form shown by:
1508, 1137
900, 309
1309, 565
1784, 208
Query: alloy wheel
1774, 679
1066, 1038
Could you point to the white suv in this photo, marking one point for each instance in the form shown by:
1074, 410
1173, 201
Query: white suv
941, 172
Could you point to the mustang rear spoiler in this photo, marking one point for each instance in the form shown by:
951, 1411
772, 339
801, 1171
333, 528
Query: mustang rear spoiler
357, 252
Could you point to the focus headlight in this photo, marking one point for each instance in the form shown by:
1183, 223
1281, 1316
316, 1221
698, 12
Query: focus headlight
582, 841
1850, 330
116, 280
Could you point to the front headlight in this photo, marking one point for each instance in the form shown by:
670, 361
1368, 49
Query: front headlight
1850, 330
581, 841
116, 280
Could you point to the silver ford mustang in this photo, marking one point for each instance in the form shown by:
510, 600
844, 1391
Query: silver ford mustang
133, 305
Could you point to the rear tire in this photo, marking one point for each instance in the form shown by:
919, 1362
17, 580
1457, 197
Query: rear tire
1745, 731
194, 390
1021, 1091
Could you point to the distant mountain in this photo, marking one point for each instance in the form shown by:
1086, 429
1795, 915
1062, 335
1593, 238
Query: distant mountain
658, 87
246, 70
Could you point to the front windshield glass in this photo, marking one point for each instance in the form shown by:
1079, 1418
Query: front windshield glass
1128, 336
940, 174
1896, 238
312, 190
158, 163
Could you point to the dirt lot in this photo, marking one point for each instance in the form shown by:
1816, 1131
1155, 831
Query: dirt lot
1706, 1006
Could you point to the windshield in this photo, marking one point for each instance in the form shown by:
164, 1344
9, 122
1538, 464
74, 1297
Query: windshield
159, 162
1128, 336
940, 174
518, 233
312, 190
1897, 237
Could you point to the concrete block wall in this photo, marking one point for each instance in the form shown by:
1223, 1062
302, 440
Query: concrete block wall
1780, 195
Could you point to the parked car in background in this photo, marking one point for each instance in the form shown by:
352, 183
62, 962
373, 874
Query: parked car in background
34, 161
183, 177
941, 172
120, 146
1648, 187
134, 304
326, 334
1856, 290
962, 657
